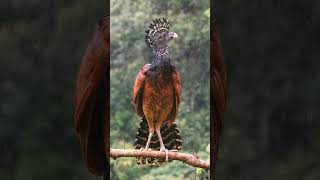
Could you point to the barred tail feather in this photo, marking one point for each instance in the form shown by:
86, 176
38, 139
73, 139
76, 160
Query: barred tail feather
171, 139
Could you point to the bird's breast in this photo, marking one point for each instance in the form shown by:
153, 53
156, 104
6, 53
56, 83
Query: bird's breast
158, 94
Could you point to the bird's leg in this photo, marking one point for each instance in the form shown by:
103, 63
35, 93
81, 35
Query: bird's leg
151, 131
162, 147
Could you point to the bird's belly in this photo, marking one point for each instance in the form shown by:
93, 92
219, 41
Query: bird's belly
158, 98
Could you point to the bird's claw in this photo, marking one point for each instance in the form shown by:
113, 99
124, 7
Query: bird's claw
173, 150
149, 149
165, 150
195, 155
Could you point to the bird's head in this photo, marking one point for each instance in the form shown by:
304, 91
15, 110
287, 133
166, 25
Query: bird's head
159, 35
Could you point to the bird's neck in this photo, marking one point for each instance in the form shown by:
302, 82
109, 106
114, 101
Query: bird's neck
161, 54
161, 62
160, 70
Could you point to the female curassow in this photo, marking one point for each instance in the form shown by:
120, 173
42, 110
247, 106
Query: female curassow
156, 95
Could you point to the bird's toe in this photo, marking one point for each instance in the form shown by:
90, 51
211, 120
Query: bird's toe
165, 150
173, 150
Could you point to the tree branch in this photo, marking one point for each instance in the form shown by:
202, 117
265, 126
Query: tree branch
190, 159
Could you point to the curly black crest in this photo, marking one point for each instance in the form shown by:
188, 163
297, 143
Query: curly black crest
156, 26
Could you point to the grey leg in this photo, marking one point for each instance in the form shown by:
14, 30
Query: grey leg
149, 139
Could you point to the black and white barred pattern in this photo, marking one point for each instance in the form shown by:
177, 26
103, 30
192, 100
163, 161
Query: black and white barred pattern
171, 140
157, 27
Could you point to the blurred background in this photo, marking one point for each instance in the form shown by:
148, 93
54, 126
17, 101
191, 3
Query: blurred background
42, 43
272, 57
272, 121
189, 53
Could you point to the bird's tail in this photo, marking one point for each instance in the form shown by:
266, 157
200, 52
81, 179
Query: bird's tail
171, 139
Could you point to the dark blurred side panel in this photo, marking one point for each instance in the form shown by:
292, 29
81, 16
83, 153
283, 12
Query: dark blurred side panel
42, 43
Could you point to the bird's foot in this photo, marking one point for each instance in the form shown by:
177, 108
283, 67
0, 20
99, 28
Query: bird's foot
195, 155
173, 150
165, 150
141, 149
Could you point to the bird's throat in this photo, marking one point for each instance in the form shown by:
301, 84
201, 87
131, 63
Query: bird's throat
161, 65
161, 54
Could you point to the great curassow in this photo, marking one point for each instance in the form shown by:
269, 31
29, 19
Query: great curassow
156, 96
91, 101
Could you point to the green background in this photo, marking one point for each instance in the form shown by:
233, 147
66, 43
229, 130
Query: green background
189, 53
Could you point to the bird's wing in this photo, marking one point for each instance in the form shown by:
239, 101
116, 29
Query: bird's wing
177, 92
90, 82
218, 91
138, 89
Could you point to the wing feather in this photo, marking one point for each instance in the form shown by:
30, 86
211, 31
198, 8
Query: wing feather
138, 89
177, 92
89, 96
218, 92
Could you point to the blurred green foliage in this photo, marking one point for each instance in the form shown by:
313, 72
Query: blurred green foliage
189, 53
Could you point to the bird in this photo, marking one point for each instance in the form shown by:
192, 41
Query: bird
218, 91
91, 101
156, 94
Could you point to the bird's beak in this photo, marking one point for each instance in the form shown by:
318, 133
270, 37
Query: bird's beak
175, 35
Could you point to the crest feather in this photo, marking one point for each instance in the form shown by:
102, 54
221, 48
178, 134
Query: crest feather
155, 26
